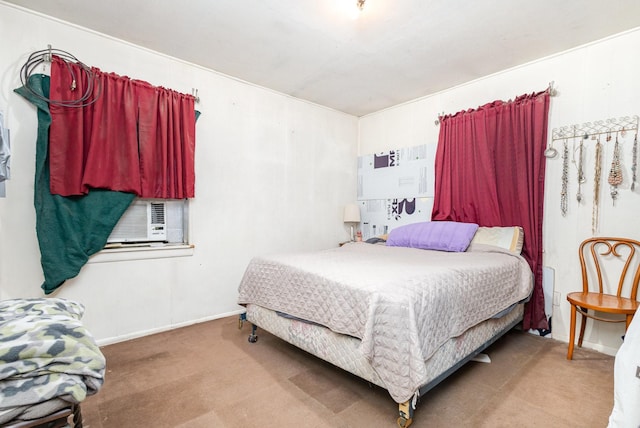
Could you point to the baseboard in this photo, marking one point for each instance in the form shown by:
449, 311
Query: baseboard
599, 347
135, 335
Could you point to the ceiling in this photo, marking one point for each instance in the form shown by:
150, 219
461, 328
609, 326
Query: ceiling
394, 51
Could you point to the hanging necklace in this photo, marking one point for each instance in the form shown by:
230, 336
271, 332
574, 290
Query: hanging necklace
634, 161
565, 179
596, 188
581, 178
615, 173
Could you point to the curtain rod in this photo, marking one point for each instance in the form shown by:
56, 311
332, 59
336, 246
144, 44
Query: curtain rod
550, 89
45, 56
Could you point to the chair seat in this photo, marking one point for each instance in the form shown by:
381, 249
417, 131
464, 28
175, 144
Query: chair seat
604, 302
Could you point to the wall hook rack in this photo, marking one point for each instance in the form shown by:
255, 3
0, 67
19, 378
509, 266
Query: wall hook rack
599, 127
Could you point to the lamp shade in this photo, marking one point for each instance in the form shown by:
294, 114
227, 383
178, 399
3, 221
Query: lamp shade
352, 213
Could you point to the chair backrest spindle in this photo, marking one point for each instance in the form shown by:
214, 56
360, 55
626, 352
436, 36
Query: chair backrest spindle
620, 248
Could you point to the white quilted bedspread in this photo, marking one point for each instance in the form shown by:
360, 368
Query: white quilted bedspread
403, 303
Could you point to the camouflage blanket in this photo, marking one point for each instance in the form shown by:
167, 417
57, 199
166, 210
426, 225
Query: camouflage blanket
46, 354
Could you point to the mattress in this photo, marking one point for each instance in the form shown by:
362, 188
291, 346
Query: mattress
401, 303
344, 351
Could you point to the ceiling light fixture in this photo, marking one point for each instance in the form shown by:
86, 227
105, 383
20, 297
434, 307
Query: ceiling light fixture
352, 8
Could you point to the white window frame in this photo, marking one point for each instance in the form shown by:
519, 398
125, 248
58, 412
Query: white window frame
141, 250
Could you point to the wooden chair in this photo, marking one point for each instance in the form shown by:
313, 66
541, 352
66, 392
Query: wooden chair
623, 255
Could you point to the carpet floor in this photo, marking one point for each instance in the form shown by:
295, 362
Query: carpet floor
209, 375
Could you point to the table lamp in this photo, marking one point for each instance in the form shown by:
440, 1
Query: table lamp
352, 217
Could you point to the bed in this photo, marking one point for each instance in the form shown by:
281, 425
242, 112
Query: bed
402, 314
49, 363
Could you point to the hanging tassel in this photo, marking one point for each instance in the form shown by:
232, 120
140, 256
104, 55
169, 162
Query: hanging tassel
596, 189
565, 179
634, 162
615, 174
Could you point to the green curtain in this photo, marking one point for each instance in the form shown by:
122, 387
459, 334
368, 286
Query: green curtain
69, 229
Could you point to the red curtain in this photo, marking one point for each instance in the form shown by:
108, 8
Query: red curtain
134, 138
490, 169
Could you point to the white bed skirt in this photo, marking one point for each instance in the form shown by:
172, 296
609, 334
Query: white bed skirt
343, 351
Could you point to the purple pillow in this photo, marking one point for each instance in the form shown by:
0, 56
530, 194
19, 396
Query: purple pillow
434, 235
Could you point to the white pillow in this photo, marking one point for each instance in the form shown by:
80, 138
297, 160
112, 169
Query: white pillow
510, 238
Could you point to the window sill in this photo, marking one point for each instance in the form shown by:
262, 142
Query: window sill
127, 253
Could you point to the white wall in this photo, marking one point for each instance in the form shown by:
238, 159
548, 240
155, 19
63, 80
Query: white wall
595, 82
272, 174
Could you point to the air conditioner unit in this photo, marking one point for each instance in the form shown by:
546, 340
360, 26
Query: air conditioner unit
144, 221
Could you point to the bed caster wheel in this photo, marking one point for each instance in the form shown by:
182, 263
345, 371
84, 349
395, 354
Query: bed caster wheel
241, 319
253, 338
404, 422
405, 414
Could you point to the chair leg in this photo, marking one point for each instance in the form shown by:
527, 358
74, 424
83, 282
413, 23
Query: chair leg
572, 333
629, 319
583, 324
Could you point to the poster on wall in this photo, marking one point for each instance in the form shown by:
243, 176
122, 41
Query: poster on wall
401, 173
380, 216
